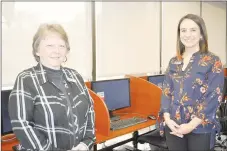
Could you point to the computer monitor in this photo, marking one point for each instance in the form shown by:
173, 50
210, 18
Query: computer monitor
6, 124
157, 80
115, 93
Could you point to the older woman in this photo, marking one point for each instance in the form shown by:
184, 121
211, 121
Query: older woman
49, 106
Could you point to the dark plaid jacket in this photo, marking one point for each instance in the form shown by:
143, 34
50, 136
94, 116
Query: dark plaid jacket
41, 116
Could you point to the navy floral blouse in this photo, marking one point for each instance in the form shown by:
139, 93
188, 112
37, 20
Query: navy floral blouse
196, 91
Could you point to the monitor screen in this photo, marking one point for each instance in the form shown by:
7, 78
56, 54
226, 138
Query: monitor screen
115, 93
6, 124
157, 80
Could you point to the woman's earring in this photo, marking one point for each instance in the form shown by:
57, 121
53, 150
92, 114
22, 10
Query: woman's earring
65, 59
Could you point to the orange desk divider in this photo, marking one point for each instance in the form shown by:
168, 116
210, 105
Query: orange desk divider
102, 119
88, 85
8, 141
143, 77
139, 75
145, 96
225, 72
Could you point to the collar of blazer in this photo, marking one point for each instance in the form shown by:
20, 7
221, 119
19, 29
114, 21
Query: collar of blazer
69, 74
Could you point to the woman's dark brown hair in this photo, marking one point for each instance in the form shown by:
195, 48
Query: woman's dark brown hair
203, 43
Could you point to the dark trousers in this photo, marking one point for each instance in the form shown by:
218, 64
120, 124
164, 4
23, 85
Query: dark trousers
190, 142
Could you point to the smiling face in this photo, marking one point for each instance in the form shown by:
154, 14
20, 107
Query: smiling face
52, 50
190, 34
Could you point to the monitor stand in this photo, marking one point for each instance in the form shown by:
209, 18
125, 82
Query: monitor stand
113, 117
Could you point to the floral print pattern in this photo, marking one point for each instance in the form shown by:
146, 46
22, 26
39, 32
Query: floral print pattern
194, 92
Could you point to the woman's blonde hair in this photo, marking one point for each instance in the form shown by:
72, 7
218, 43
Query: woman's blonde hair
45, 29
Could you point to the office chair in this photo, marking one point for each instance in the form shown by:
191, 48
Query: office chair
222, 115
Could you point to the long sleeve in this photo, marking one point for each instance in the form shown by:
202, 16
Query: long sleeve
167, 91
89, 132
21, 105
89, 137
210, 101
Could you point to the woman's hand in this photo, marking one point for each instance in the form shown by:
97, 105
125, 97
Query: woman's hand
174, 128
172, 125
80, 147
185, 128
189, 127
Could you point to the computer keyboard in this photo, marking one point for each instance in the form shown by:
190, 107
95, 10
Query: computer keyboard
114, 118
123, 123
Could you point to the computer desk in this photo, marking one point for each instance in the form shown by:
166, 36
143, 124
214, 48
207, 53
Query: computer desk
145, 100
114, 134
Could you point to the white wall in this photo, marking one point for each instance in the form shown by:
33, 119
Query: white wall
127, 38
21, 22
127, 34
214, 14
172, 12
